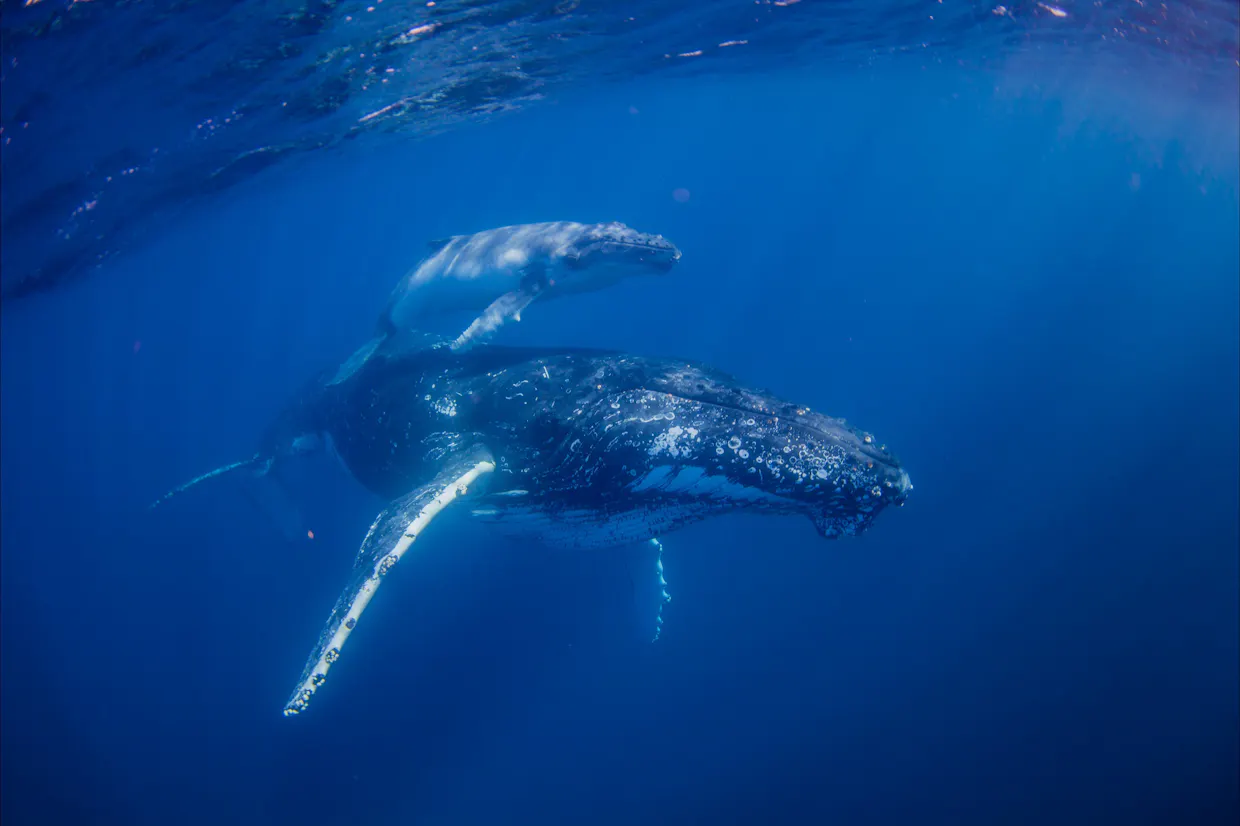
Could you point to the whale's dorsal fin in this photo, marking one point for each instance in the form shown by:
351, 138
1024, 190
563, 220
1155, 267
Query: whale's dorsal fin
439, 243
391, 534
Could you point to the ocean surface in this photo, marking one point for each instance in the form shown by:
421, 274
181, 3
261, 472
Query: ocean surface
1003, 238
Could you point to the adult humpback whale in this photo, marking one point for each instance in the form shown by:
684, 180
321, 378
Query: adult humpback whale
499, 272
579, 448
576, 448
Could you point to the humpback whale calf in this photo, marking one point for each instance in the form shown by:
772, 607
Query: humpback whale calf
499, 272
576, 448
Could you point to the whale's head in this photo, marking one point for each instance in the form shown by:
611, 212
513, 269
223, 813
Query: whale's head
649, 447
614, 250
701, 437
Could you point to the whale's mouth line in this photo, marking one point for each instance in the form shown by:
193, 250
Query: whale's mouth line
701, 494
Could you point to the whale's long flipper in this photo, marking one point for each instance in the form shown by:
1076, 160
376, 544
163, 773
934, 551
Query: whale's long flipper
507, 306
389, 537
664, 596
255, 463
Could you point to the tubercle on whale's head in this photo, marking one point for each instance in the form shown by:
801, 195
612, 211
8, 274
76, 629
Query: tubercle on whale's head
864, 477
617, 246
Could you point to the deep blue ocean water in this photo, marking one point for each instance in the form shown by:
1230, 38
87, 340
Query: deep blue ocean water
1021, 271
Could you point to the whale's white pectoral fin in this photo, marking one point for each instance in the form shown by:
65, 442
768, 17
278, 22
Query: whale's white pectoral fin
664, 596
507, 306
392, 533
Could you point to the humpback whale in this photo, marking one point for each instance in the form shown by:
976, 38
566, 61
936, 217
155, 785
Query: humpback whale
499, 272
575, 448
572, 447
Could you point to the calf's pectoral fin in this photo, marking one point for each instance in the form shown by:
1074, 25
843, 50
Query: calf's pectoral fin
392, 533
507, 306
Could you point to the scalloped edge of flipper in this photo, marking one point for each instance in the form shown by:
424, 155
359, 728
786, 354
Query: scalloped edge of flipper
390, 536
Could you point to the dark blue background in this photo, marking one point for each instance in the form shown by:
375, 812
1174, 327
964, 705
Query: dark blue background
1038, 313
